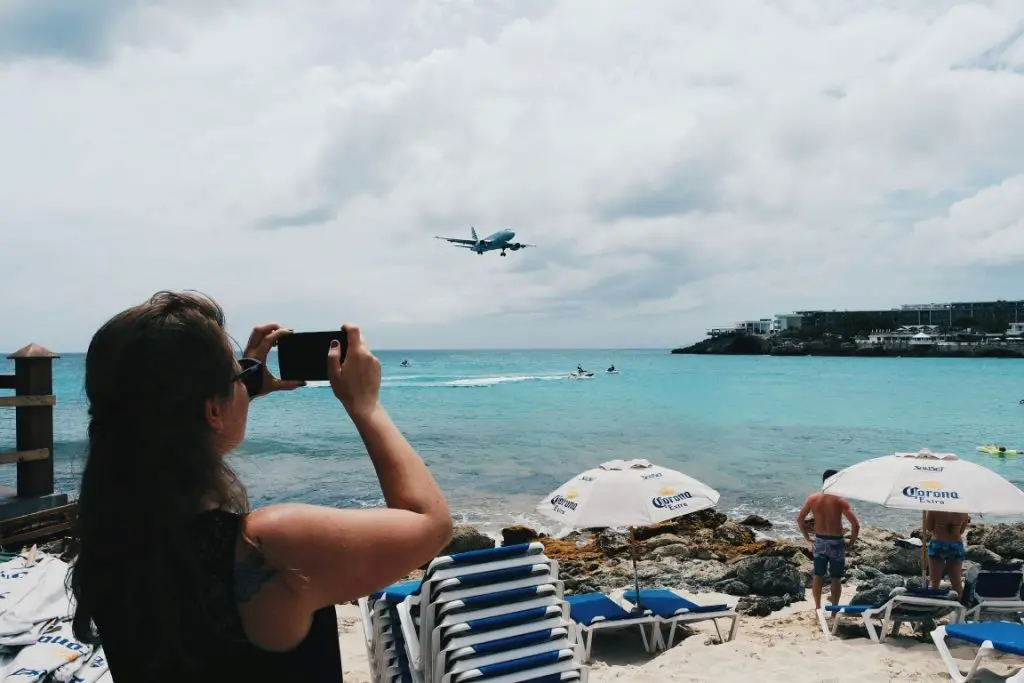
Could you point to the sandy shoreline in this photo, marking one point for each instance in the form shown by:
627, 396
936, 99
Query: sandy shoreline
784, 647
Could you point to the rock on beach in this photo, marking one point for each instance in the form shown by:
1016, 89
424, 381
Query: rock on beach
707, 551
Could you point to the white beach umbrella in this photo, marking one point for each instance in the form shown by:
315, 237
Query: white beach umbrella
928, 481
626, 493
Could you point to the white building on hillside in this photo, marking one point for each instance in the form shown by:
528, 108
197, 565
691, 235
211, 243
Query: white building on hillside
762, 326
922, 339
788, 321
906, 334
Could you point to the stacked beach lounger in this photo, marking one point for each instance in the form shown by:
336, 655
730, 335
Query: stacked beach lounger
385, 648
485, 616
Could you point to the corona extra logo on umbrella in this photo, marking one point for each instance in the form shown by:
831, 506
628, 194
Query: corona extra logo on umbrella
668, 498
930, 492
566, 501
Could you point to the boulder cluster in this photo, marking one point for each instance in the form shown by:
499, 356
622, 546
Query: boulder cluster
707, 551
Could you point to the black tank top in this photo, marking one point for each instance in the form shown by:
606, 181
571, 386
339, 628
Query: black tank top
222, 647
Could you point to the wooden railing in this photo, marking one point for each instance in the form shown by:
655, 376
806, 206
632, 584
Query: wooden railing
33, 402
43, 525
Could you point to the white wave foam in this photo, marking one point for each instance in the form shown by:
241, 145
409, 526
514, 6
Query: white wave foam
500, 379
457, 381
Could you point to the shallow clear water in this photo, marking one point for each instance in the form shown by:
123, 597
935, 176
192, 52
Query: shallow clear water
502, 428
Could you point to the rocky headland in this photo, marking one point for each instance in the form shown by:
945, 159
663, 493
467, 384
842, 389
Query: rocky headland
707, 551
754, 345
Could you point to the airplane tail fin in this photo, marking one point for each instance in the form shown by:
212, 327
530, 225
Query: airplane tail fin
472, 230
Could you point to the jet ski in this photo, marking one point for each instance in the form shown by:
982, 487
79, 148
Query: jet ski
404, 364
611, 371
580, 373
999, 451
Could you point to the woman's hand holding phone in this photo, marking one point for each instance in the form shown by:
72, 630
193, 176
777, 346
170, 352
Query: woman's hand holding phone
262, 339
356, 380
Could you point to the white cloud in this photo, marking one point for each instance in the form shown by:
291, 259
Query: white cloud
985, 229
680, 165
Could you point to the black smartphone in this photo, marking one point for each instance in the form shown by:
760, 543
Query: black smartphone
303, 355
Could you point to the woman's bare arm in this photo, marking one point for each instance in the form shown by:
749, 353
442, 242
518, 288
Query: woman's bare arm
311, 556
297, 558
346, 554
965, 521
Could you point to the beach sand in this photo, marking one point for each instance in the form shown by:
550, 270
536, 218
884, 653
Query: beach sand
785, 647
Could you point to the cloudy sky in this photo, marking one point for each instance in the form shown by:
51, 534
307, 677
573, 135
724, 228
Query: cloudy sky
680, 165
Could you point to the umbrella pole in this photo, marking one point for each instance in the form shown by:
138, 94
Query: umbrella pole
924, 549
636, 572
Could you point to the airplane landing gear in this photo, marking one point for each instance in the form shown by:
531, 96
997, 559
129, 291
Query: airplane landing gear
502, 252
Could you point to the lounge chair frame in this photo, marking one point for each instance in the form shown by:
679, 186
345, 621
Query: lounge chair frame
584, 633
1001, 605
683, 615
885, 614
939, 636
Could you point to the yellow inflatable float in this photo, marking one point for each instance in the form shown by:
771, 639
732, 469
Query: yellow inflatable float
998, 451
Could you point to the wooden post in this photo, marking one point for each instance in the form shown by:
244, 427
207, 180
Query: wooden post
33, 380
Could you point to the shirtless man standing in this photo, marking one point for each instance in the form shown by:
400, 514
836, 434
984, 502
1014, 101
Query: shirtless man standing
828, 546
946, 548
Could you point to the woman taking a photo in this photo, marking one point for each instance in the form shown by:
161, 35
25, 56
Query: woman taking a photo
177, 577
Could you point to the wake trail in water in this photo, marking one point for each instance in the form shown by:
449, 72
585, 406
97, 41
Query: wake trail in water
500, 379
438, 381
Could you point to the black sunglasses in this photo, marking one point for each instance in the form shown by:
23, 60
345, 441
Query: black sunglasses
251, 375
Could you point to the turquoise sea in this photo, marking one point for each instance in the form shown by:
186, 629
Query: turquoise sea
502, 428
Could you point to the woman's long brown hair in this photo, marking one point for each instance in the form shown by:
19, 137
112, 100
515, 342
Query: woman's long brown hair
152, 464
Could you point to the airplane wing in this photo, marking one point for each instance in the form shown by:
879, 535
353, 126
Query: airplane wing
456, 240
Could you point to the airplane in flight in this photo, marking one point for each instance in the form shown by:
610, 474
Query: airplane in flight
499, 240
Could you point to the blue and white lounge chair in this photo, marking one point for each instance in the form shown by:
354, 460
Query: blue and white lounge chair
549, 646
434, 613
596, 612
496, 629
989, 636
453, 570
384, 644
441, 615
505, 609
904, 605
997, 589
374, 605
519, 630
537, 666
488, 616
671, 608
